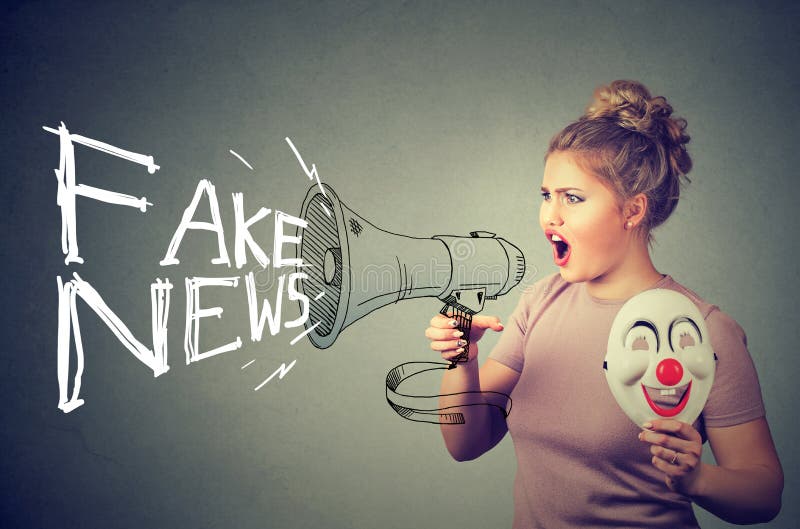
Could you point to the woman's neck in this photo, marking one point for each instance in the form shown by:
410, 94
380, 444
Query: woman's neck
633, 275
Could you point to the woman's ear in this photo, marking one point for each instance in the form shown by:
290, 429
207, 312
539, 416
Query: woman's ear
635, 210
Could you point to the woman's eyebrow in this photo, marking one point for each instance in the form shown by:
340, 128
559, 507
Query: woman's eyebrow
562, 189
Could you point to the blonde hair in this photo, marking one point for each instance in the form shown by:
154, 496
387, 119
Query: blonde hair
629, 140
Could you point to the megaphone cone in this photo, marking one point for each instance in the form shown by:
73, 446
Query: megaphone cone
354, 267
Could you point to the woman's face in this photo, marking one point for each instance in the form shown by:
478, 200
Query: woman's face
582, 219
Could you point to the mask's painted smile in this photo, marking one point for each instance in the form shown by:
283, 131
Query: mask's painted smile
670, 401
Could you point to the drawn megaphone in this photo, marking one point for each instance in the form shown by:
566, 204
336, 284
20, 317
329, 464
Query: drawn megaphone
356, 268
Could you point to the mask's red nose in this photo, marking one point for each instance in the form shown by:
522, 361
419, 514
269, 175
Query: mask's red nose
669, 371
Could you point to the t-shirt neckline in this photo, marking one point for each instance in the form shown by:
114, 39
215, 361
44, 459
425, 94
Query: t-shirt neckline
665, 279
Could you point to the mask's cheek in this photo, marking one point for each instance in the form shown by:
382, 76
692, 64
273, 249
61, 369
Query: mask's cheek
633, 402
699, 361
628, 367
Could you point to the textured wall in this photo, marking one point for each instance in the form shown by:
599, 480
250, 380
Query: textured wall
427, 118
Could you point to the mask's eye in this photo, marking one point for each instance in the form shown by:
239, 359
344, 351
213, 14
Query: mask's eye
683, 334
640, 344
642, 337
687, 341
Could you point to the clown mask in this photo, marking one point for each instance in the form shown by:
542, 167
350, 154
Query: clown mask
659, 363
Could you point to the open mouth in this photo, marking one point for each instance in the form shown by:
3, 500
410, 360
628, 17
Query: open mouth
667, 402
561, 248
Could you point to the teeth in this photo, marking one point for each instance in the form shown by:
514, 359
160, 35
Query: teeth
556, 237
667, 391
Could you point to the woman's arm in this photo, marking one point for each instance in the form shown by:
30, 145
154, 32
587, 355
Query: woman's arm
484, 425
744, 486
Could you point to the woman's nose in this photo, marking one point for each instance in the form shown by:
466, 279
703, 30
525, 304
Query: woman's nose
551, 214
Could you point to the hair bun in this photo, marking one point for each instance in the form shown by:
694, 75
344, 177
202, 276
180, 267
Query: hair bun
631, 104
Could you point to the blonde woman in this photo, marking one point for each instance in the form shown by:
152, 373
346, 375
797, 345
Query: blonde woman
610, 178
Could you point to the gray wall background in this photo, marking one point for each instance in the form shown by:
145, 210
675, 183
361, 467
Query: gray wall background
427, 118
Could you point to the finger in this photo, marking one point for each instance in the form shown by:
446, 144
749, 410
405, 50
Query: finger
435, 333
685, 462
683, 456
487, 322
678, 428
666, 467
443, 322
673, 457
670, 441
451, 355
447, 345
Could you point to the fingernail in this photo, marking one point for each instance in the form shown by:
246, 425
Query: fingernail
453, 323
647, 425
462, 342
460, 350
457, 334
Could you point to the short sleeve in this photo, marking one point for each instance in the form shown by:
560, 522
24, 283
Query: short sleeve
510, 348
735, 396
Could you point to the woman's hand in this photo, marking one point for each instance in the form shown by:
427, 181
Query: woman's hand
676, 448
450, 342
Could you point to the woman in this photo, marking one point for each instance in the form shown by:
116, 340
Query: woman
610, 178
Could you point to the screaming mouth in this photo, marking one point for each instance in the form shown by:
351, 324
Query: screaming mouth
667, 402
561, 249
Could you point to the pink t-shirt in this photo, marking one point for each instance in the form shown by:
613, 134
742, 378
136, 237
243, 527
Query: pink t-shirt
579, 461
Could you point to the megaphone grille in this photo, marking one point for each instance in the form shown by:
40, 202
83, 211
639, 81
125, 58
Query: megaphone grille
321, 247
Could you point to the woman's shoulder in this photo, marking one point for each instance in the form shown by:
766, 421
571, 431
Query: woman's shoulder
718, 321
706, 308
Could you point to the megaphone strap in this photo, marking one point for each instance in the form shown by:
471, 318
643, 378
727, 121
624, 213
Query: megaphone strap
411, 406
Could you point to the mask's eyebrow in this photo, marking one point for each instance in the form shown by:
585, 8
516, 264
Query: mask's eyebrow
682, 319
644, 323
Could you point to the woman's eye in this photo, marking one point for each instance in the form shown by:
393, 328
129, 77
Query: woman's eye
546, 195
572, 199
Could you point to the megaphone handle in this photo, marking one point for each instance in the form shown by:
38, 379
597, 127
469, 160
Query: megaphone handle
464, 324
